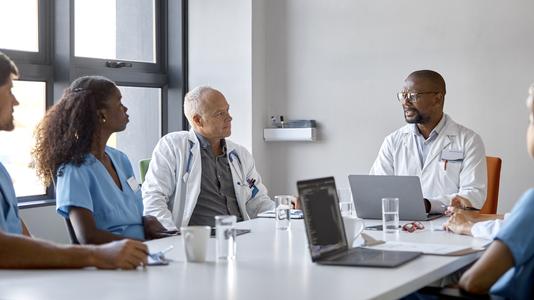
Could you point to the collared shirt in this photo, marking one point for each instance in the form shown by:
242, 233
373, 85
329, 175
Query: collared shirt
89, 186
217, 194
423, 146
9, 213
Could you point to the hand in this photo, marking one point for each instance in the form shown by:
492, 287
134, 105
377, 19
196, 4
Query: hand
154, 229
472, 215
460, 202
295, 203
459, 223
124, 254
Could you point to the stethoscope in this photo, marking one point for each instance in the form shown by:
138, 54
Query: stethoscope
231, 157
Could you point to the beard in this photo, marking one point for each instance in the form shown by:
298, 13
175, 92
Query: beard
8, 126
415, 118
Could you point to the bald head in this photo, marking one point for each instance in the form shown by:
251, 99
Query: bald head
195, 101
432, 80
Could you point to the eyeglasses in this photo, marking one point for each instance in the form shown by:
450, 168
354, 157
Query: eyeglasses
411, 227
411, 96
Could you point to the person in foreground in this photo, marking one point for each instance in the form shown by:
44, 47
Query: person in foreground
507, 267
96, 190
449, 158
194, 176
19, 251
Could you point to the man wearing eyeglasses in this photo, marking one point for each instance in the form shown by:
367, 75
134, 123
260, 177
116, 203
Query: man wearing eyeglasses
449, 159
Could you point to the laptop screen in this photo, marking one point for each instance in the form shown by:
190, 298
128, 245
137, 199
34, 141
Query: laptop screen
322, 218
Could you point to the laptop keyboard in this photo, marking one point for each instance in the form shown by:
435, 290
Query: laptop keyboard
358, 255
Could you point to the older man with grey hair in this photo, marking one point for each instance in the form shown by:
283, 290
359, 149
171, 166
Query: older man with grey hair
198, 174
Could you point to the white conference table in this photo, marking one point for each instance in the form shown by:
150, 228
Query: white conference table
271, 264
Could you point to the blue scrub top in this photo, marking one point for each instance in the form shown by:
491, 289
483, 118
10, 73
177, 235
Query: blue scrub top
518, 236
90, 186
9, 211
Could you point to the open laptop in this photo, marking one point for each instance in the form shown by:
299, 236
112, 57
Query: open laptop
368, 191
326, 233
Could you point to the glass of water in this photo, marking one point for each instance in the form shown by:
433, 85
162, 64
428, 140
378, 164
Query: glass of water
225, 247
283, 211
390, 215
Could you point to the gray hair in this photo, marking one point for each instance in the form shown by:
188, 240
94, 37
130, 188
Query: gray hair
193, 102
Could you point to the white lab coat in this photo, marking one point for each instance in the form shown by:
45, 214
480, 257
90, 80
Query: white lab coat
467, 178
488, 229
170, 191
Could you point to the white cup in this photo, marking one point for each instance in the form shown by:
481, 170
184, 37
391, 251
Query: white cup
195, 242
353, 228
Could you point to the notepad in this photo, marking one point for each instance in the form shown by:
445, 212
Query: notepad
433, 249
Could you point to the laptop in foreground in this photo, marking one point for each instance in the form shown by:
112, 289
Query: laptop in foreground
368, 191
326, 233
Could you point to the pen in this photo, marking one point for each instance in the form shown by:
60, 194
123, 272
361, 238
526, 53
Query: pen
167, 249
470, 208
445, 165
160, 254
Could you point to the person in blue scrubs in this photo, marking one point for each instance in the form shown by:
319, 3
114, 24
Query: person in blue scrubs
507, 267
95, 184
19, 251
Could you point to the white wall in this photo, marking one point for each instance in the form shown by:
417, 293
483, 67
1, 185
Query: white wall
220, 56
45, 223
342, 63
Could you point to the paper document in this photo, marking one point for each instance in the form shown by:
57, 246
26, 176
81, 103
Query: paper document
435, 249
294, 213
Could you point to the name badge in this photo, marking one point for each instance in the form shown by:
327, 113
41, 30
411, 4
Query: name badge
452, 155
133, 184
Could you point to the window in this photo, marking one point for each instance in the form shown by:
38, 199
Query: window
144, 129
26, 10
126, 29
139, 44
17, 158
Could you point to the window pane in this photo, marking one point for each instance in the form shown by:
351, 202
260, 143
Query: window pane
144, 129
20, 20
115, 29
17, 157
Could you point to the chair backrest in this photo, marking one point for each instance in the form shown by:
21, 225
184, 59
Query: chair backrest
143, 168
494, 177
71, 231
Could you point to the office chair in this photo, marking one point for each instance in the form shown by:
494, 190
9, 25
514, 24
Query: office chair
143, 168
494, 177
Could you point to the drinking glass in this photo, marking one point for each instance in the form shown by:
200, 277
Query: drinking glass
225, 234
283, 211
390, 215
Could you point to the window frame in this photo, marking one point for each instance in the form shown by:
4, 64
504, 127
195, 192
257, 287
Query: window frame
56, 64
42, 56
136, 66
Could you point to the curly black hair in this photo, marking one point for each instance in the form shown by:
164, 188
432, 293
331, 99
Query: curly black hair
66, 133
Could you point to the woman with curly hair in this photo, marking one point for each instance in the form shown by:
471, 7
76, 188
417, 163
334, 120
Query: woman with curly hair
95, 188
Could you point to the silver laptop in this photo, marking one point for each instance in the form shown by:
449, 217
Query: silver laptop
368, 191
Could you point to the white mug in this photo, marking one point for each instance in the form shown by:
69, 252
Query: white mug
353, 228
195, 242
